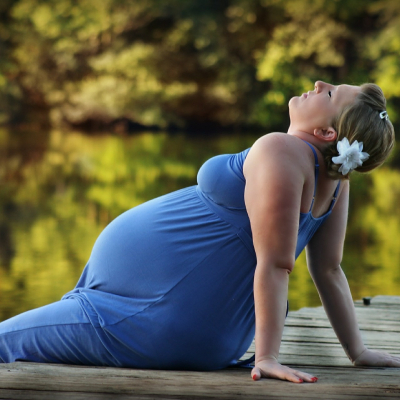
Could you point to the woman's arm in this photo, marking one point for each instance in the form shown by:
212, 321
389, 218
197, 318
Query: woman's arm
274, 185
324, 254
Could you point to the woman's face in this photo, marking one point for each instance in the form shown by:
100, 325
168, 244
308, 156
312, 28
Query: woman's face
318, 108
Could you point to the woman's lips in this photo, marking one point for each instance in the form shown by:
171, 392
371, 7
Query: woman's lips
305, 95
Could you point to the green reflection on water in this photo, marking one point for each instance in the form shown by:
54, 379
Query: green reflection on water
59, 191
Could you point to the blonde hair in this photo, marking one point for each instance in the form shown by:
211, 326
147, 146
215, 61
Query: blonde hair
361, 121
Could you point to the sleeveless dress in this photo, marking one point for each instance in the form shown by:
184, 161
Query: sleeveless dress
169, 284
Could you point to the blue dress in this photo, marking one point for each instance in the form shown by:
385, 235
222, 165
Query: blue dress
169, 285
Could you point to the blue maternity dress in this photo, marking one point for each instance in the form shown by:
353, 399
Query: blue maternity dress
169, 284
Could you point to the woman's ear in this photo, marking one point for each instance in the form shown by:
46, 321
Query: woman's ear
327, 135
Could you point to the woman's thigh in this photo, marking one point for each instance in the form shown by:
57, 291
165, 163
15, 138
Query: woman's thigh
58, 333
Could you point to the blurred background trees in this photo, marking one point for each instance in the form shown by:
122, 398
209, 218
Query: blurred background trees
192, 65
72, 67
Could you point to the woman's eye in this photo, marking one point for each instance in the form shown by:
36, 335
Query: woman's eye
329, 93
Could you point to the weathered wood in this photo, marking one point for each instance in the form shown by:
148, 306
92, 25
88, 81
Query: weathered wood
308, 344
388, 326
227, 384
326, 335
366, 314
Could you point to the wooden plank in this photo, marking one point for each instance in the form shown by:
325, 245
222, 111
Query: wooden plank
383, 300
308, 344
308, 336
226, 384
327, 335
367, 325
15, 394
365, 313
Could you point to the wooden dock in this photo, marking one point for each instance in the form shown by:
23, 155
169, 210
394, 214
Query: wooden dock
309, 344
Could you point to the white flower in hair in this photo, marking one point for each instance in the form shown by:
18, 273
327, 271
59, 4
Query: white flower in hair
350, 157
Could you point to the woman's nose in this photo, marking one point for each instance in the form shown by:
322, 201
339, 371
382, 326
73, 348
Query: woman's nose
319, 85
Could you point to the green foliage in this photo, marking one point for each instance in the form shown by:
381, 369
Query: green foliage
172, 64
384, 49
378, 226
176, 63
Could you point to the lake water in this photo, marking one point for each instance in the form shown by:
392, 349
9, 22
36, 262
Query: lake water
60, 189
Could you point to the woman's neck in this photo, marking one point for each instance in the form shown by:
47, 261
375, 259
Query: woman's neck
308, 137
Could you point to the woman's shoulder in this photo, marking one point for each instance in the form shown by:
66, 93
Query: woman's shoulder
278, 145
272, 137
276, 150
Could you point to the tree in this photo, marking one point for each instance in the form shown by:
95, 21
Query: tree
189, 64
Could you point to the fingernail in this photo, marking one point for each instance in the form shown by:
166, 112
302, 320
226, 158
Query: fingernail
314, 379
254, 377
300, 380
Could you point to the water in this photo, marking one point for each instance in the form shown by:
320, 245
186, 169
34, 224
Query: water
59, 190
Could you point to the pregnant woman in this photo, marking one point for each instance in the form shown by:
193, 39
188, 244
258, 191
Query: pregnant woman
185, 281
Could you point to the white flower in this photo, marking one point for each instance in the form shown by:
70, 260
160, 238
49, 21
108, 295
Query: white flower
350, 157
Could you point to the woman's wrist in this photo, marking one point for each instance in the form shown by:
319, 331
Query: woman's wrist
359, 355
266, 358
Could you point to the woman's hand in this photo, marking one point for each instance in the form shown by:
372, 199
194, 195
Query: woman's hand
270, 368
371, 358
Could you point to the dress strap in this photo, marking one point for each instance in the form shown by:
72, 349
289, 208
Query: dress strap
334, 197
315, 174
